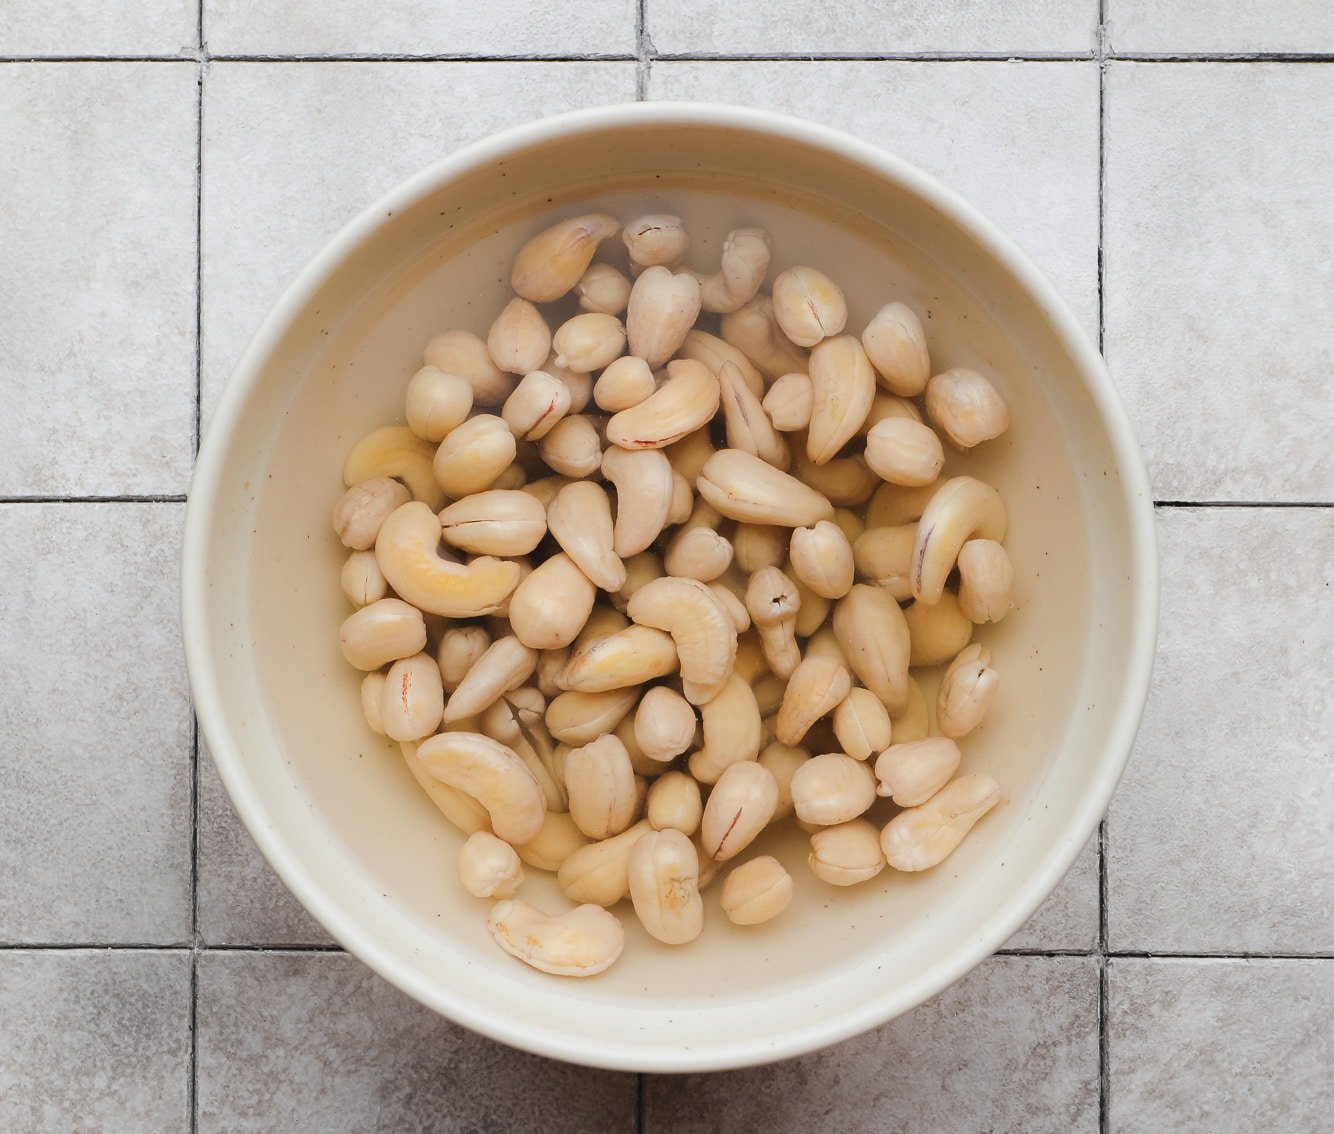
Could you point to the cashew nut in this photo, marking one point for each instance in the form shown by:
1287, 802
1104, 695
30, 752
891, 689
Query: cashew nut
831, 789
912, 773
656, 239
732, 731
493, 775
890, 407
382, 632
846, 481
496, 522
815, 688
894, 505
601, 787
686, 401
739, 807
922, 837
688, 457
967, 407
821, 557
663, 874
966, 692
674, 801
712, 352
895, 341
603, 288
698, 551
488, 866
783, 760
407, 550
363, 508
624, 383
506, 665
809, 306
937, 631
639, 570
459, 648
683, 497
663, 307
906, 452
558, 839
579, 385
759, 545
754, 330
913, 721
538, 402
883, 557
599, 872
630, 657
789, 402
362, 580
664, 724
986, 579
862, 725
412, 700
464, 354
573, 447
644, 489
473, 455
372, 687
772, 599
581, 943
395, 451
554, 260
748, 426
704, 634
756, 891
743, 487
551, 606
874, 635
842, 387
846, 853
813, 611
519, 338
436, 402
461, 809
588, 342
744, 264
580, 520
578, 718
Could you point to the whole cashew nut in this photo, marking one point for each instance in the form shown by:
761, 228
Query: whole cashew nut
742, 803
436, 402
493, 775
382, 632
912, 773
395, 451
644, 489
506, 665
986, 579
663, 874
924, 836
581, 943
702, 629
579, 518
809, 306
554, 260
682, 404
846, 853
756, 891
815, 688
496, 522
842, 388
875, 637
743, 487
732, 731
773, 600
963, 509
745, 263
895, 341
748, 425
831, 789
519, 339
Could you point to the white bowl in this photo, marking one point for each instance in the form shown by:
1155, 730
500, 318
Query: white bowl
335, 809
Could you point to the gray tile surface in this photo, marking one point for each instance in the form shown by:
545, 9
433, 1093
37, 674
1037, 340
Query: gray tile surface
98, 27
97, 223
95, 732
1219, 222
316, 1041
1068, 920
1013, 1046
1220, 835
1180, 27
1203, 1046
94, 1040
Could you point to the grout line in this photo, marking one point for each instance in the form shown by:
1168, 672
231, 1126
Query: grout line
179, 947
199, 245
1243, 504
1104, 1076
643, 51
443, 57
641, 1116
193, 57
36, 499
192, 1087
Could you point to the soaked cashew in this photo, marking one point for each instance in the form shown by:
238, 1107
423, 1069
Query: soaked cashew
683, 498
842, 388
890, 407
739, 807
579, 518
601, 787
912, 773
704, 634
783, 760
815, 688
630, 657
875, 636
579, 385
363, 508
732, 731
821, 557
809, 306
895, 341
599, 872
519, 338
558, 839
712, 352
894, 505
755, 332
913, 721
395, 451
459, 648
743, 487
790, 401
745, 263
473, 455
493, 775
573, 447
924, 836
362, 580
686, 401
506, 665
382, 632
664, 724
986, 579
846, 853
656, 239
588, 342
698, 551
496, 522
624, 383
756, 891
813, 612
461, 809
846, 481
759, 545
488, 866
549, 608
831, 789
967, 407
663, 874
748, 426
602, 288
579, 718
412, 700
966, 692
538, 402
464, 354
554, 260
862, 725
773, 600
436, 402
905, 452
581, 943
674, 801
883, 557
663, 308
735, 606
937, 632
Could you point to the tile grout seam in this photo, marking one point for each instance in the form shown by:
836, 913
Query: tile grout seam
1104, 1071
201, 67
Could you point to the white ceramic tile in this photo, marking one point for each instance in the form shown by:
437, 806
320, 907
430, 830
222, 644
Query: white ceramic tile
316, 1041
1232, 26
1219, 835
98, 27
292, 152
1198, 1047
1068, 920
94, 726
94, 1040
783, 27
1013, 1046
1019, 140
420, 27
1218, 289
242, 901
97, 280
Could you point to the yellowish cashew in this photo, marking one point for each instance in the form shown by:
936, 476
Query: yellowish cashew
580, 520
553, 844
760, 545
395, 451
382, 632
629, 657
686, 401
663, 874
913, 772
599, 872
875, 637
464, 354
789, 402
496, 522
883, 557
739, 807
890, 407
461, 809
894, 505
488, 866
436, 402
519, 339
913, 721
473, 455
895, 341
493, 775
554, 260
578, 718
756, 891
924, 836
743, 487
963, 509
581, 943
674, 801
702, 629
842, 388
644, 489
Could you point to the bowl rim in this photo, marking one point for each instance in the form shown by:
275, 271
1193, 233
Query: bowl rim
361, 942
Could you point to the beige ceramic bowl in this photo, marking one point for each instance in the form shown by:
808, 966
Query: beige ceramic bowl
335, 809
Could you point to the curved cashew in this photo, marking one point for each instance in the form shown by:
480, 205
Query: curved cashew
663, 307
874, 635
744, 264
712, 352
704, 635
748, 426
688, 457
506, 665
554, 260
407, 552
664, 724
739, 807
644, 487
683, 497
573, 447
600, 784
603, 288
937, 631
553, 844
632, 656
824, 644
902, 451
488, 866
754, 330
412, 700
599, 872
895, 341
846, 481
733, 603
580, 520
656, 239
986, 579
846, 853
578, 718
458, 807
464, 354
581, 943
686, 401
363, 508
862, 724
663, 873
789, 402
883, 557
395, 451
732, 731
437, 402
362, 580
842, 388
821, 557
493, 775
966, 692
921, 837
773, 600
967, 407
538, 402
962, 509
913, 721
743, 487
496, 522
519, 339
756, 891
624, 383
815, 688
894, 505
832, 789
911, 773
674, 801
382, 632
809, 306
588, 342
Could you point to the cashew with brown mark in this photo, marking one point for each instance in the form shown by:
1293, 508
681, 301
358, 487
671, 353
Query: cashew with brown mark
732, 731
412, 699
659, 238
538, 402
551, 263
739, 807
583, 942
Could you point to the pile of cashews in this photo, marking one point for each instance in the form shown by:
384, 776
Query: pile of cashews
618, 640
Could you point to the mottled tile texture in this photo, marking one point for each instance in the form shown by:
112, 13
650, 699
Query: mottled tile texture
94, 1040
1068, 920
1176, 27
316, 1041
98, 27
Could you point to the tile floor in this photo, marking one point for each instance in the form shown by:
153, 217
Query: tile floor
167, 165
